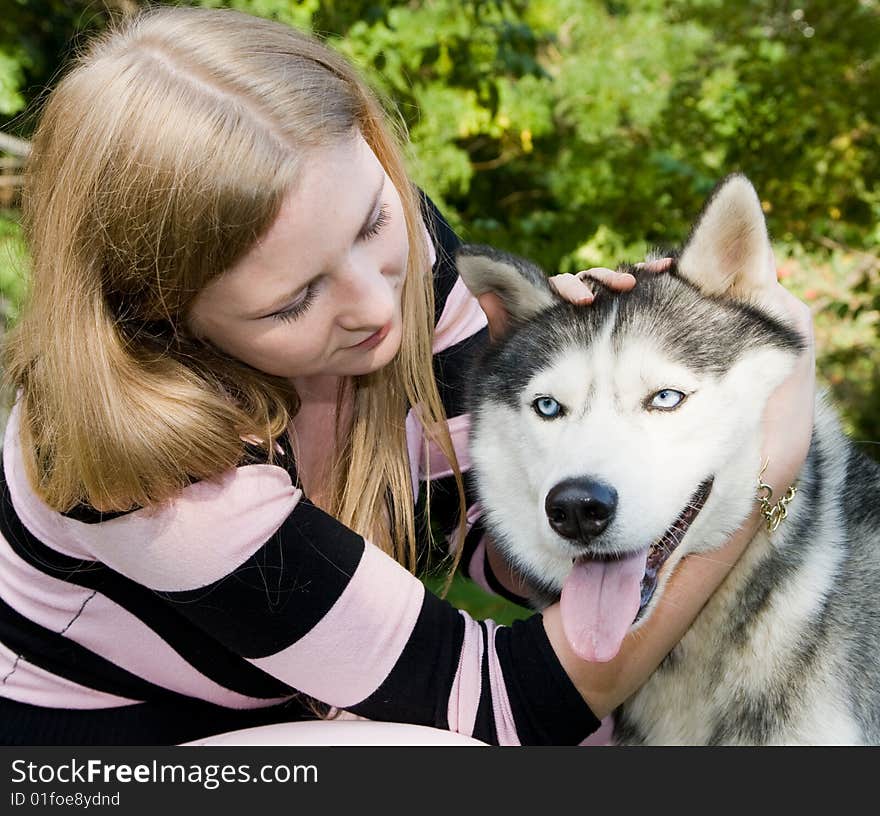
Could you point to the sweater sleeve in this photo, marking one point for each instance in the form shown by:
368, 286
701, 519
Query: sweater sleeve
325, 612
240, 592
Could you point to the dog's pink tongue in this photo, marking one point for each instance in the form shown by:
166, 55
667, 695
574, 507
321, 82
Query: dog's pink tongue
600, 600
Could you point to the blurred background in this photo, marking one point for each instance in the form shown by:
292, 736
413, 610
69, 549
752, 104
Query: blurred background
583, 133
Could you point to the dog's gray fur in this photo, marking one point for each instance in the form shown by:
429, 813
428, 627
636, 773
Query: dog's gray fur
787, 651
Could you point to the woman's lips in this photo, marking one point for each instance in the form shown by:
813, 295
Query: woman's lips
374, 339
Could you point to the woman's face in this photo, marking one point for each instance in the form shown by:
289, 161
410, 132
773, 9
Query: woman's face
320, 293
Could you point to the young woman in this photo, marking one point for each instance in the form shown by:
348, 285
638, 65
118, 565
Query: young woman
238, 368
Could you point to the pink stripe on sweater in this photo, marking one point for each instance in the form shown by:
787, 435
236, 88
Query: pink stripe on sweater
347, 655
464, 695
207, 531
476, 567
467, 684
415, 442
432, 252
116, 634
434, 464
426, 459
26, 683
462, 317
473, 513
505, 726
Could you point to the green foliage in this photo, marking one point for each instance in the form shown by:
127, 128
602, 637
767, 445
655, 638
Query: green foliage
297, 14
11, 79
789, 96
36, 37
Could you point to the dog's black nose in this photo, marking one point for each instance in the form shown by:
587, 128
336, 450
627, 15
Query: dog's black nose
580, 509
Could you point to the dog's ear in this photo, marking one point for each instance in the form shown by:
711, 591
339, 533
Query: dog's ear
728, 251
510, 289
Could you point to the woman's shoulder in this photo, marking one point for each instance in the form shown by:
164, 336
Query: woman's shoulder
204, 527
195, 537
239, 486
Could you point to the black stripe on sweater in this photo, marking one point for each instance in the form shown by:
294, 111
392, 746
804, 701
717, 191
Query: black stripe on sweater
283, 590
471, 542
499, 589
445, 243
445, 508
204, 654
546, 707
485, 721
445, 512
159, 722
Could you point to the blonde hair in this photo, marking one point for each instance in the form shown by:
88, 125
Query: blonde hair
159, 160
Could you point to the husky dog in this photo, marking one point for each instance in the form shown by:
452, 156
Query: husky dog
611, 440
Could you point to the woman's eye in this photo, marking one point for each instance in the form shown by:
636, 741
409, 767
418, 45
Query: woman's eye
547, 408
298, 308
667, 398
376, 227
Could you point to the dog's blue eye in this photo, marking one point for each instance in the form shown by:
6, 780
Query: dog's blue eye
547, 407
667, 398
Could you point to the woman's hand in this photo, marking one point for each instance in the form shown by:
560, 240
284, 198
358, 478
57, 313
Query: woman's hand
575, 288
787, 423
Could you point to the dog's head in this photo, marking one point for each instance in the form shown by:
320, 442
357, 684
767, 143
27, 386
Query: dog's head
610, 440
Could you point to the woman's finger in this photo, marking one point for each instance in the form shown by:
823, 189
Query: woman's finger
572, 288
657, 265
621, 281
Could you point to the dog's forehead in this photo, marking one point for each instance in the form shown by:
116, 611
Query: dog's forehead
708, 333
591, 375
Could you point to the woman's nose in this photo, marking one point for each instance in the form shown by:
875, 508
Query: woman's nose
368, 297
